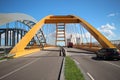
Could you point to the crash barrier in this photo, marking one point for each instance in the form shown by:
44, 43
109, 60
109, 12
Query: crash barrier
62, 51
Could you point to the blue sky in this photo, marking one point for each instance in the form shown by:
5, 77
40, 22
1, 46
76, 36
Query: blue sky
102, 14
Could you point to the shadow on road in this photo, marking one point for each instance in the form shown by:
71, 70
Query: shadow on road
101, 59
50, 50
81, 52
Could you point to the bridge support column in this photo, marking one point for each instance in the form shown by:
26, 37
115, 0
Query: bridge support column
17, 32
10, 38
6, 37
13, 38
21, 33
24, 32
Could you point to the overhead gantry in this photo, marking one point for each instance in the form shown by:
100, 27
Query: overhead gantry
51, 19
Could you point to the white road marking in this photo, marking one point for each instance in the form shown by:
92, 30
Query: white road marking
18, 69
76, 62
112, 64
90, 76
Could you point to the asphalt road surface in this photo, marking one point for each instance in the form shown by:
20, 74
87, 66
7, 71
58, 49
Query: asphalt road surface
94, 69
43, 65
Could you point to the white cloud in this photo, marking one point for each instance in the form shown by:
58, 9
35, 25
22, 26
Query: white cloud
112, 14
108, 26
107, 30
53, 34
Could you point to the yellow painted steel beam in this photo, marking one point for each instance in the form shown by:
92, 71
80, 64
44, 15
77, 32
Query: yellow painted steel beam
28, 36
60, 19
61, 16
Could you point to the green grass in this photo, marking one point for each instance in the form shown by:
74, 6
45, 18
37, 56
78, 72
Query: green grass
2, 58
72, 72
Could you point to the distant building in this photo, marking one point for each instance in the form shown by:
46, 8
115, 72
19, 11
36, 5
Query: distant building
68, 40
74, 39
71, 39
78, 41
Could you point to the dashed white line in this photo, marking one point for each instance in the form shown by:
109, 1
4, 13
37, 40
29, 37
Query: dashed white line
90, 76
18, 69
112, 64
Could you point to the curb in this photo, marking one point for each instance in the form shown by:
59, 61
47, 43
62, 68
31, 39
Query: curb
62, 77
3, 60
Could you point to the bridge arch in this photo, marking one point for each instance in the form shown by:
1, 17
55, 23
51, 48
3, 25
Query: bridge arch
11, 17
61, 19
27, 20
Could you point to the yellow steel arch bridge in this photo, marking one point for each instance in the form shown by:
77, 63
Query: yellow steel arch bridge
52, 19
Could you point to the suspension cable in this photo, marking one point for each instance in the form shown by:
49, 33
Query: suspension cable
85, 34
81, 35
